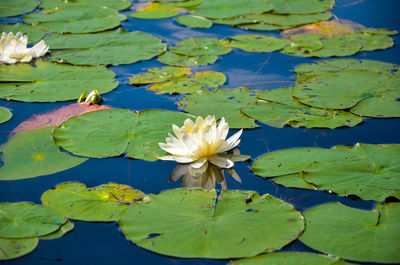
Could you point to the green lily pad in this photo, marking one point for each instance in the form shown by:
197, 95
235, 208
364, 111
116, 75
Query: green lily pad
156, 75
111, 47
49, 82
167, 222
278, 109
199, 46
107, 133
80, 19
24, 219
100, 203
370, 172
370, 92
260, 26
231, 20
288, 20
190, 84
194, 21
34, 34
372, 42
115, 4
65, 228
156, 11
254, 43
290, 258
222, 103
12, 248
29, 154
353, 234
5, 115
171, 58
229, 8
16, 7
301, 6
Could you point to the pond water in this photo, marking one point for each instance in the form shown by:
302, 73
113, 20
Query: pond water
103, 243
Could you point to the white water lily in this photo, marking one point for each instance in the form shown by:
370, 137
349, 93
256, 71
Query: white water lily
14, 48
198, 143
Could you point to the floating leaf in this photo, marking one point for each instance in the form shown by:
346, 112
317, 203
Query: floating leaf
56, 117
278, 109
301, 6
16, 7
232, 20
111, 47
32, 153
260, 27
199, 46
107, 133
48, 82
24, 219
372, 42
15, 248
100, 203
222, 103
290, 258
353, 234
254, 43
34, 34
190, 84
115, 4
166, 222
369, 92
5, 115
194, 21
370, 172
155, 75
284, 21
156, 11
80, 19
171, 58
65, 228
229, 8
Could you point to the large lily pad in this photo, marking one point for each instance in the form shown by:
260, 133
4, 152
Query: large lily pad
301, 6
12, 248
199, 46
34, 34
115, 4
189, 223
80, 19
194, 21
254, 43
16, 7
156, 75
100, 203
48, 82
229, 8
107, 133
190, 84
278, 109
171, 58
5, 115
222, 103
111, 47
370, 172
370, 92
32, 153
23, 219
290, 258
353, 234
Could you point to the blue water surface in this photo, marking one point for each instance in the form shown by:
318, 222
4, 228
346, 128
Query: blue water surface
103, 243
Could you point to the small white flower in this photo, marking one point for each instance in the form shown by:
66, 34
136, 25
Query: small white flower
198, 143
14, 48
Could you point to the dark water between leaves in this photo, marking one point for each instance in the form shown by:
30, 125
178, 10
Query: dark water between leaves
103, 243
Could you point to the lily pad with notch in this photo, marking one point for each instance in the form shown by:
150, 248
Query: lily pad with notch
194, 21
254, 43
171, 58
199, 46
162, 74
188, 223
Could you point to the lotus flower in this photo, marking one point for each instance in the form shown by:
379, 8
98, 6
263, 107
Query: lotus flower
202, 142
14, 48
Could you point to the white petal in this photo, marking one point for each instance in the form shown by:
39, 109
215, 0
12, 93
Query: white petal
231, 143
174, 149
39, 49
179, 159
221, 162
199, 163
